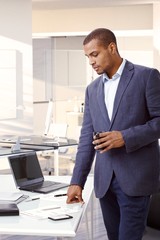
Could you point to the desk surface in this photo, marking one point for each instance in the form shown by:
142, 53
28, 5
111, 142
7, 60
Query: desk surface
37, 142
8, 151
27, 225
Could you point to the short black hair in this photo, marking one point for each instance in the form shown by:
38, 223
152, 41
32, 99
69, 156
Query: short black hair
103, 35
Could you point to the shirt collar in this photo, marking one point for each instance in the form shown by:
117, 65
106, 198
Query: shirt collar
117, 74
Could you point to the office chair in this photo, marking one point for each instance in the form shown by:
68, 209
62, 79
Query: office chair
57, 132
153, 219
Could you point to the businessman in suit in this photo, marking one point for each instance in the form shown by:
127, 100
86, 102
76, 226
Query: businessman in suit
123, 105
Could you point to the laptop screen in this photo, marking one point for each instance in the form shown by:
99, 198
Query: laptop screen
26, 169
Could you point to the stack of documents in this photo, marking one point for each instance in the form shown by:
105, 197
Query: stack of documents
14, 197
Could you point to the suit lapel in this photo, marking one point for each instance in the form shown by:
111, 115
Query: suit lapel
124, 81
101, 101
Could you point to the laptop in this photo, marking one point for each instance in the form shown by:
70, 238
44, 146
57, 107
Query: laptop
28, 175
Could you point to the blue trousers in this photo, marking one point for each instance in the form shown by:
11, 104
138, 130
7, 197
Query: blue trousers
124, 216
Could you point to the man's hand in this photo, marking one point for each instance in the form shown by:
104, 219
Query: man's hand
109, 140
74, 194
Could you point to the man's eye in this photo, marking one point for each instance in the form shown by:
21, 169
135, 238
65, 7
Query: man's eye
94, 54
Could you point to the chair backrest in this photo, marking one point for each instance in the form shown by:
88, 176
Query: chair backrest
58, 130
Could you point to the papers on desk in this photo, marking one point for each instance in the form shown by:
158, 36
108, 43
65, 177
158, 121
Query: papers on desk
41, 213
15, 197
52, 210
51, 142
55, 140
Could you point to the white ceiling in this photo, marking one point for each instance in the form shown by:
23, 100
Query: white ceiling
64, 4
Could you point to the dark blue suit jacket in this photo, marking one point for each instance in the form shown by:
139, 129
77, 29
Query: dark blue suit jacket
136, 114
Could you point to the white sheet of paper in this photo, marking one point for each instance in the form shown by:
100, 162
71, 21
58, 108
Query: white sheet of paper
10, 196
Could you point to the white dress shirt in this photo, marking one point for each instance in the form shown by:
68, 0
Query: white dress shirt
110, 88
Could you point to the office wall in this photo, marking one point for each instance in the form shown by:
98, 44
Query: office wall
156, 39
77, 20
16, 97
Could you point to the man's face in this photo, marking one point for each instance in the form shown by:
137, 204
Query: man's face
100, 57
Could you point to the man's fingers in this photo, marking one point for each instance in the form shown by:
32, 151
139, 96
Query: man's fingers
109, 140
74, 194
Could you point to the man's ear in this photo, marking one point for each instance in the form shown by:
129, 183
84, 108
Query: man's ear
112, 48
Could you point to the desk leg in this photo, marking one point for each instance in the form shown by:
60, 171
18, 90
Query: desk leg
92, 209
56, 162
89, 227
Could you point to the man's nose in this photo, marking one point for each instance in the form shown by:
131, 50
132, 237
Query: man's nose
91, 61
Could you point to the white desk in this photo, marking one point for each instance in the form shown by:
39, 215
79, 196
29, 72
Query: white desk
27, 225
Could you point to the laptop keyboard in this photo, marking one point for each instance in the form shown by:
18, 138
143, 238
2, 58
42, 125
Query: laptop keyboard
44, 184
48, 184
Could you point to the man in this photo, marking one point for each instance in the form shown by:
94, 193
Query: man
123, 105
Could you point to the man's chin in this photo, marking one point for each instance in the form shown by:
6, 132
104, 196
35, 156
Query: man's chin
99, 72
